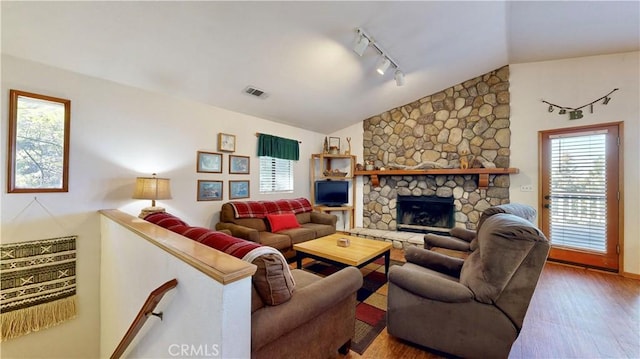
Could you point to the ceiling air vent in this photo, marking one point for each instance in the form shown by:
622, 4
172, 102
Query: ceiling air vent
253, 91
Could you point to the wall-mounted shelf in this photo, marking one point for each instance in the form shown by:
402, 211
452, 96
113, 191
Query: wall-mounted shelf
483, 173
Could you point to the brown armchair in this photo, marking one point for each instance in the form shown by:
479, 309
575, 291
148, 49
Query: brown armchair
472, 308
460, 243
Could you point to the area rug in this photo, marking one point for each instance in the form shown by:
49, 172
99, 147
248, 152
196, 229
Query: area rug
38, 285
371, 301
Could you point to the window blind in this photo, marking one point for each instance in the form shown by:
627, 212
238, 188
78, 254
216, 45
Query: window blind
276, 175
578, 191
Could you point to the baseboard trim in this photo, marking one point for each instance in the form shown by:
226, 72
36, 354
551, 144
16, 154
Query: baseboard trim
630, 275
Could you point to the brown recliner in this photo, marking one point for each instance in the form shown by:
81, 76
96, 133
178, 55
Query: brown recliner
460, 243
472, 308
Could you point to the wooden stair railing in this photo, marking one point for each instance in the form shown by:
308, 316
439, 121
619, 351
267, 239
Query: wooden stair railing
147, 309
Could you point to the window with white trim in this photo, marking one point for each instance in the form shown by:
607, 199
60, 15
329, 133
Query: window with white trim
276, 175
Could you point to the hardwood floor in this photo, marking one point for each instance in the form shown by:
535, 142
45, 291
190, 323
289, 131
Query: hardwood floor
574, 313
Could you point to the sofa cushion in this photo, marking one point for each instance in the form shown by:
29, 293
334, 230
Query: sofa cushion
279, 222
303, 217
299, 235
279, 241
258, 224
320, 230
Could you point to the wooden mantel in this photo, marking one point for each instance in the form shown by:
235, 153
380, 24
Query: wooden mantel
483, 173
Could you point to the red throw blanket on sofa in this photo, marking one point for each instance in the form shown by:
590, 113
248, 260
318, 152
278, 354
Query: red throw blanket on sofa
221, 241
260, 209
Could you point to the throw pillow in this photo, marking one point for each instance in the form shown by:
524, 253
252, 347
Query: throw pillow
272, 281
280, 222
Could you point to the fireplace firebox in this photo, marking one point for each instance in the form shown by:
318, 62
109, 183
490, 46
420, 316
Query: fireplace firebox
425, 214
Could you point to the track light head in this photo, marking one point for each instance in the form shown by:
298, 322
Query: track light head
606, 100
562, 111
383, 65
399, 77
361, 45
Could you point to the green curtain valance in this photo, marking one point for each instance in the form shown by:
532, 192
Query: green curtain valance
278, 147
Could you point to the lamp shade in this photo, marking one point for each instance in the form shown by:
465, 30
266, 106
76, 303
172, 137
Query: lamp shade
152, 188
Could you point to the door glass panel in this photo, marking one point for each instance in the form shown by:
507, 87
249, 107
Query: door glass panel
578, 185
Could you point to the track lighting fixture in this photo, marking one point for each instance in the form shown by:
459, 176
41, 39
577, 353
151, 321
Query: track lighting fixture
399, 77
606, 100
364, 41
361, 45
562, 111
383, 65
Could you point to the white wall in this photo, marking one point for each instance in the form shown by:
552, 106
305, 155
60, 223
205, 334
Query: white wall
198, 314
117, 134
575, 82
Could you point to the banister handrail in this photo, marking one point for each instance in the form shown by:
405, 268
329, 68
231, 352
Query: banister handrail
147, 309
218, 265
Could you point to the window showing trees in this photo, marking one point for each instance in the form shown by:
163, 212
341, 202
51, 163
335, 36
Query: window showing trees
38, 143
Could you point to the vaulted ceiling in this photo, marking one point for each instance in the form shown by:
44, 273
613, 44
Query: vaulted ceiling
300, 53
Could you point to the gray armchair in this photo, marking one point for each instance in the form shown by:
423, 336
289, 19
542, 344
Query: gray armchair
461, 239
472, 308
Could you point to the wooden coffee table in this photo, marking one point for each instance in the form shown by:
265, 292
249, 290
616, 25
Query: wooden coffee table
360, 252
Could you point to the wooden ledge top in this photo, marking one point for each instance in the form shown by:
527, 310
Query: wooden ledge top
482, 172
439, 171
218, 265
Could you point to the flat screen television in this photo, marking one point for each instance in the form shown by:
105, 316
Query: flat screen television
332, 193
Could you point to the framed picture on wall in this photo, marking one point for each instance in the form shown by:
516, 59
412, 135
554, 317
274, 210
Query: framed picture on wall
209, 162
238, 189
226, 142
209, 190
239, 164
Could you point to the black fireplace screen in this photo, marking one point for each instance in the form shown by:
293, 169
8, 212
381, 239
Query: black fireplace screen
415, 212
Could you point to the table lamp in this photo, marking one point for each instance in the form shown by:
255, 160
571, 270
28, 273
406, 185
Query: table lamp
152, 188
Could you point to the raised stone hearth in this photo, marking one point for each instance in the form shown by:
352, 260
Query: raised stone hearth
399, 240
469, 121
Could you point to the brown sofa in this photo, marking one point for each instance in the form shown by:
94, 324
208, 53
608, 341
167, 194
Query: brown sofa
313, 319
254, 226
316, 322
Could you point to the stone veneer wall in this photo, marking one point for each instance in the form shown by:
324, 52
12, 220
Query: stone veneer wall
472, 117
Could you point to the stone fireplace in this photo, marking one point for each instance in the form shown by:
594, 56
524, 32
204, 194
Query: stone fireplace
469, 120
425, 214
